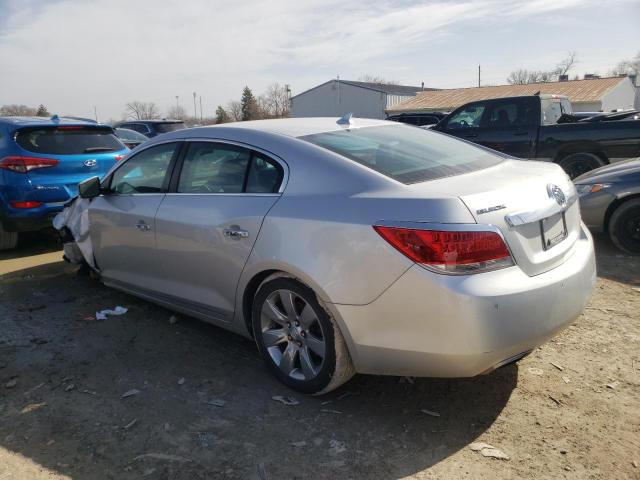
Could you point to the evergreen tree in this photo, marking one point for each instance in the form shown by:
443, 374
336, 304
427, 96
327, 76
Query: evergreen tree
221, 115
42, 111
249, 105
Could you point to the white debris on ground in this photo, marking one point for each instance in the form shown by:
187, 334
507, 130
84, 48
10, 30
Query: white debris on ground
487, 450
289, 401
102, 314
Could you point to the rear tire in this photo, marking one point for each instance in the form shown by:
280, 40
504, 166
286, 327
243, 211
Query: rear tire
8, 240
298, 339
578, 163
624, 227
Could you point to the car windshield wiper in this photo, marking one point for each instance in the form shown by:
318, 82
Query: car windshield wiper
98, 149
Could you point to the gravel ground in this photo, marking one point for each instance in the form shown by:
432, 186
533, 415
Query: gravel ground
200, 405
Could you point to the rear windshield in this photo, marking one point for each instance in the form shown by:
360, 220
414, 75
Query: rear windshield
168, 127
131, 135
68, 140
406, 154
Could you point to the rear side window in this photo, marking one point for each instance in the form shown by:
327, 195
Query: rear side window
213, 168
408, 155
68, 140
168, 127
210, 167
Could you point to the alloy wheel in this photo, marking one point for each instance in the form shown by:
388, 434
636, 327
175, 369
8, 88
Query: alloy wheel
292, 335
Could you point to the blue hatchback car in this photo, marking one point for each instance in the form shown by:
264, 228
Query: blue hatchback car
42, 160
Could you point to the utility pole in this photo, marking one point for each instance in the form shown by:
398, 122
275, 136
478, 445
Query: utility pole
478, 75
201, 120
195, 111
177, 104
95, 112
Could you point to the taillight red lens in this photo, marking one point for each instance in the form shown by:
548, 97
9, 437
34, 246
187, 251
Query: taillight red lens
29, 204
450, 251
118, 157
22, 164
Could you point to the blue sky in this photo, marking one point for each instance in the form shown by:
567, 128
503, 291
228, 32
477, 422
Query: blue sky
72, 55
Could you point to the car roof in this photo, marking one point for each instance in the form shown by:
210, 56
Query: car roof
298, 127
47, 121
164, 120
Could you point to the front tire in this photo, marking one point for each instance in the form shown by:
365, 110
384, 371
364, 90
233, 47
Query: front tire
8, 240
624, 227
298, 340
578, 163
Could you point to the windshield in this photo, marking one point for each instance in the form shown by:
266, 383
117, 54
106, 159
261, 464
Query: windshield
406, 154
68, 140
168, 127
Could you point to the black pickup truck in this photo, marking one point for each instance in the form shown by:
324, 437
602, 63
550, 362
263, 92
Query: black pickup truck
542, 127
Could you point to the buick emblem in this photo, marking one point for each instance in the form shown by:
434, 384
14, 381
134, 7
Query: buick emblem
557, 194
92, 162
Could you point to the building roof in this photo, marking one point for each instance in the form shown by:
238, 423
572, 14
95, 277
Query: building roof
578, 91
378, 87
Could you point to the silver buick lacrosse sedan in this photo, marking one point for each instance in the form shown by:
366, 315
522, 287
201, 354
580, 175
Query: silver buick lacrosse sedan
344, 246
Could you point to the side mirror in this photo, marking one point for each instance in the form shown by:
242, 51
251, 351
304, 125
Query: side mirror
89, 188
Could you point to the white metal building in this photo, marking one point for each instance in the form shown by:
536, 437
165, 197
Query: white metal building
337, 97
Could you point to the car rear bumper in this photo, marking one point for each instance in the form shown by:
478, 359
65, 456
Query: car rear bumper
427, 324
30, 220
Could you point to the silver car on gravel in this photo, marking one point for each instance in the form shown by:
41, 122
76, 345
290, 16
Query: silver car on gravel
344, 246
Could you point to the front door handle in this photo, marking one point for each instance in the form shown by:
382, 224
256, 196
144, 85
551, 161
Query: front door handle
235, 233
142, 226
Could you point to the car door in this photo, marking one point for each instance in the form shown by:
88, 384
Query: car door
207, 225
123, 218
510, 126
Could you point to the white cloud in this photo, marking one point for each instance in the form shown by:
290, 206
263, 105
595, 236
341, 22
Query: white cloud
73, 55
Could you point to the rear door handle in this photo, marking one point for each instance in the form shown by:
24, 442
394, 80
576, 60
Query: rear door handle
142, 226
235, 233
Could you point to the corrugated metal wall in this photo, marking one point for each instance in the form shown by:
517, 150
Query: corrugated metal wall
395, 100
337, 99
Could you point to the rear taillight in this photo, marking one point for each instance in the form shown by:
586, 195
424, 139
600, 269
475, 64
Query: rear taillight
22, 164
28, 204
454, 252
118, 157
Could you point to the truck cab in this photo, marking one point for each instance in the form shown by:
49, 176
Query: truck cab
509, 125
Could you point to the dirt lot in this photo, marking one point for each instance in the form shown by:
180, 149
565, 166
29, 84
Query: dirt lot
203, 404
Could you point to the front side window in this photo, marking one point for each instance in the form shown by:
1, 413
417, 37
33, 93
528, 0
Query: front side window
406, 154
468, 117
145, 172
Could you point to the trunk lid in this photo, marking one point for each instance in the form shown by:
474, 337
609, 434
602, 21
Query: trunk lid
518, 198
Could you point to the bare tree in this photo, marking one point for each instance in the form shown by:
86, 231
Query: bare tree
274, 102
142, 110
523, 76
627, 66
177, 112
376, 79
234, 110
566, 64
17, 111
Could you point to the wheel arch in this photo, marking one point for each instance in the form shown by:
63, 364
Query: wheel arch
252, 281
581, 147
613, 206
